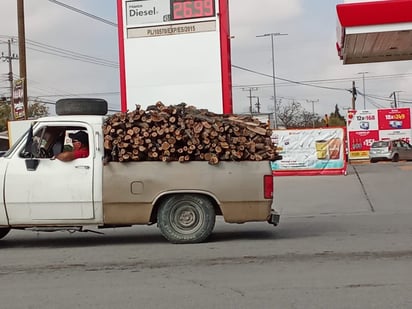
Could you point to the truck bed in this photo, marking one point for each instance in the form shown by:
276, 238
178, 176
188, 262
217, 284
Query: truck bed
131, 190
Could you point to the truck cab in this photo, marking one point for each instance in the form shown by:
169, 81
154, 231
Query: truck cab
34, 181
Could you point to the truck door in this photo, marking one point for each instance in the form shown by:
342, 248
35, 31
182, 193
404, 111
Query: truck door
53, 190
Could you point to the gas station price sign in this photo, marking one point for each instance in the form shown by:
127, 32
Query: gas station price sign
188, 9
151, 32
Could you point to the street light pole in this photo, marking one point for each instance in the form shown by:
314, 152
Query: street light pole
364, 93
272, 37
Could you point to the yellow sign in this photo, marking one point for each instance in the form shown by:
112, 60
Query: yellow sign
359, 154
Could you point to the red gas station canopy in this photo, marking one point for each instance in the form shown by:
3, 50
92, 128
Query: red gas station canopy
375, 31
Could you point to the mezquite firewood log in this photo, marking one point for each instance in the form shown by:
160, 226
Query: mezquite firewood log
184, 133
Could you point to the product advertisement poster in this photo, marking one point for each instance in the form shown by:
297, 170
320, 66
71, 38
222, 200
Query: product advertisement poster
360, 142
310, 151
394, 119
366, 126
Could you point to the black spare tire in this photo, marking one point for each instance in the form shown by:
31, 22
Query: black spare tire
81, 106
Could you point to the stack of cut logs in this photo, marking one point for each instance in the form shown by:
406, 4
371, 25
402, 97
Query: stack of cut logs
183, 133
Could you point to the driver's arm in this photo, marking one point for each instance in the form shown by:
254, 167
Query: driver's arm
66, 156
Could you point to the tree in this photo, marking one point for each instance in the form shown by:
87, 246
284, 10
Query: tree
293, 115
35, 110
4, 115
336, 119
337, 114
310, 120
288, 114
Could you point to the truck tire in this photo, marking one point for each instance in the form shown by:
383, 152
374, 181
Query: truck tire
187, 218
81, 106
4, 231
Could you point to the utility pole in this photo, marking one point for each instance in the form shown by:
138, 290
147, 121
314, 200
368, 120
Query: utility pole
22, 52
393, 94
272, 37
250, 89
313, 110
354, 95
9, 58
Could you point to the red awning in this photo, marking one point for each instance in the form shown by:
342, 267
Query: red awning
375, 31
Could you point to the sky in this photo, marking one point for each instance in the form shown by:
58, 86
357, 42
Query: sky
305, 55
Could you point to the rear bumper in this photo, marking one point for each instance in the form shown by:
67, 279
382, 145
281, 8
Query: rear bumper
381, 156
274, 218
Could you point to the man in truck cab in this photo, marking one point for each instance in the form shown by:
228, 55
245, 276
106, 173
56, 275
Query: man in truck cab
80, 141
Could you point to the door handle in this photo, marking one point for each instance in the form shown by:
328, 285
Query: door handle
86, 167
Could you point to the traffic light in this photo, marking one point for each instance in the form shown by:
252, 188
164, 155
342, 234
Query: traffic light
10, 76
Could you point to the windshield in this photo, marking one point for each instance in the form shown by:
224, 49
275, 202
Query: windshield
380, 144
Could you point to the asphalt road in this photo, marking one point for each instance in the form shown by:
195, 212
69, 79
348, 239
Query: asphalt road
343, 242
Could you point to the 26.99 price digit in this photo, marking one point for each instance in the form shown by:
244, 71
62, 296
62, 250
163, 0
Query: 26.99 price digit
178, 10
198, 9
188, 9
208, 7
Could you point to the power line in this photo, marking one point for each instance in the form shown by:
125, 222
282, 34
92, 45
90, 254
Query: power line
288, 80
68, 54
72, 8
81, 94
73, 58
311, 84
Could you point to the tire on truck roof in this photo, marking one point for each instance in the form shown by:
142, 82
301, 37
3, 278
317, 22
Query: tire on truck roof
81, 106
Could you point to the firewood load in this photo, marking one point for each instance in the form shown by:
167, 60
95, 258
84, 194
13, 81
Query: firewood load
183, 133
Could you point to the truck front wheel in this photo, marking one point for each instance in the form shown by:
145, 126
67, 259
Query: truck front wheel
4, 232
186, 218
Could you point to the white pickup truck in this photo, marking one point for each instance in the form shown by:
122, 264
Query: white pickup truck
42, 194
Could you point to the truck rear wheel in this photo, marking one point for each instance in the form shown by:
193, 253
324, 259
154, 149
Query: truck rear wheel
186, 218
4, 232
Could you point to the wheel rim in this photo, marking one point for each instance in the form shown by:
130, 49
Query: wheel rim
186, 218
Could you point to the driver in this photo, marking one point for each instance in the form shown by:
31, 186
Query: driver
80, 141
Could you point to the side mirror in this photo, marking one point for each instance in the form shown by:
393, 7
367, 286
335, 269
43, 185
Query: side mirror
32, 164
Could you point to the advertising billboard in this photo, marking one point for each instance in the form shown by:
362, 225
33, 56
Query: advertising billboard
310, 151
366, 126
